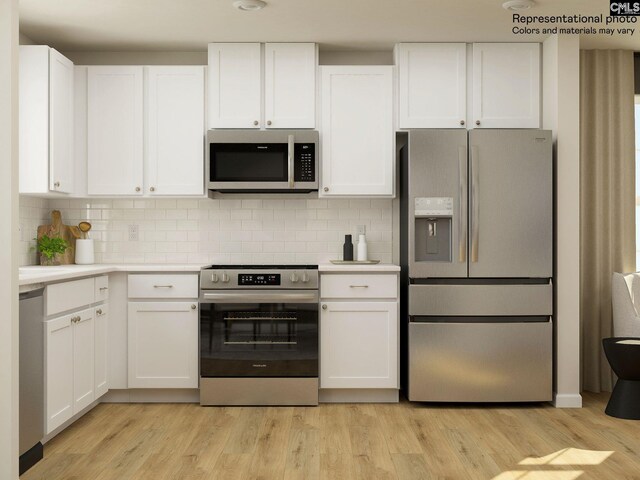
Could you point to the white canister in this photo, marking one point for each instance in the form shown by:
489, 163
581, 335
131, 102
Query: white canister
362, 248
84, 251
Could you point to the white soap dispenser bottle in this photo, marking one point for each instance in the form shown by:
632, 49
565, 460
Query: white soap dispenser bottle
362, 248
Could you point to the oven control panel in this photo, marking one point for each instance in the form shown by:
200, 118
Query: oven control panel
268, 279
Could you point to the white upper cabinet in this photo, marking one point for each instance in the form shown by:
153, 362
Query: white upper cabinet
290, 85
237, 81
115, 130
175, 131
46, 121
506, 85
432, 85
357, 135
234, 85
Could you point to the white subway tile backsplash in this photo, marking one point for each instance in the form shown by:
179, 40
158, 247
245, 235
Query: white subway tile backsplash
219, 231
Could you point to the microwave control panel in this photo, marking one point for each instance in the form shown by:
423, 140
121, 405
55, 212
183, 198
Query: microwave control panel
305, 162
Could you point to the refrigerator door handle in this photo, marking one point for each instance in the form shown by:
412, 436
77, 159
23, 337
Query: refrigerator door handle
475, 207
462, 198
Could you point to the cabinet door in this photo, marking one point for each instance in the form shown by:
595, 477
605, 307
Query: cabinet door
175, 130
59, 371
359, 345
432, 82
357, 140
114, 130
83, 360
506, 85
61, 159
290, 85
101, 353
234, 85
163, 345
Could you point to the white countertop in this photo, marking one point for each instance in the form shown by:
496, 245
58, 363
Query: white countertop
351, 267
38, 274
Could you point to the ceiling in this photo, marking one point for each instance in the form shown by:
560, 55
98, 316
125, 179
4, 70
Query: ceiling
188, 25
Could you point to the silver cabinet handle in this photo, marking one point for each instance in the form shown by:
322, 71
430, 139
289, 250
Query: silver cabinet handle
193, 306
99, 311
477, 122
462, 122
324, 307
152, 189
103, 288
359, 286
326, 189
137, 189
255, 122
291, 144
462, 198
268, 122
475, 206
56, 184
163, 286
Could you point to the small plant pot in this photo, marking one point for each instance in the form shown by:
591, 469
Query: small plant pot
49, 262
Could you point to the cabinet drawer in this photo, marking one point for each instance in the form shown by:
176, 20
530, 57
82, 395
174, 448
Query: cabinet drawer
102, 288
163, 286
359, 286
62, 297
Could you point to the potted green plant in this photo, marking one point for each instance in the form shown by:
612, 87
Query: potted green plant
50, 248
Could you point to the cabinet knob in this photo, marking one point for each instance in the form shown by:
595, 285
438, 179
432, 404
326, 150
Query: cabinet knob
305, 277
268, 122
152, 189
256, 122
324, 307
477, 122
193, 306
56, 184
294, 277
462, 122
137, 189
225, 278
326, 189
214, 277
99, 311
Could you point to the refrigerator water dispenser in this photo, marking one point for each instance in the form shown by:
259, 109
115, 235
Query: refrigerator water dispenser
433, 222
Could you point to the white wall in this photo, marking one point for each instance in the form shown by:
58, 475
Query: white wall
561, 114
8, 239
230, 231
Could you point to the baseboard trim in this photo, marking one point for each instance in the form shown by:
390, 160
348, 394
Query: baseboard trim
567, 400
153, 395
359, 395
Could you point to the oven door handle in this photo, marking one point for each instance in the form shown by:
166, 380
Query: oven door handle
259, 297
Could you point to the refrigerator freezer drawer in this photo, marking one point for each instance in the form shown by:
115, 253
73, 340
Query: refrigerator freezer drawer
480, 362
483, 300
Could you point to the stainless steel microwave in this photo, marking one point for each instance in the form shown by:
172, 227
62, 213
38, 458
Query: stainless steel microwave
269, 161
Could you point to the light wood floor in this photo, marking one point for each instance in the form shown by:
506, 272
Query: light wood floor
404, 441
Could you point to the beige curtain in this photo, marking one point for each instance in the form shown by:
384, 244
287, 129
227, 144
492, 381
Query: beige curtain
607, 197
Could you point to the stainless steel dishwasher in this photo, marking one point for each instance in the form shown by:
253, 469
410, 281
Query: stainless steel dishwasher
31, 419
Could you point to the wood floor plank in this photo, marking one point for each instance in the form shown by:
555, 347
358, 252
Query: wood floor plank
344, 441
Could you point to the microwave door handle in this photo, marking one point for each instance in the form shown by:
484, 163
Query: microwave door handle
291, 143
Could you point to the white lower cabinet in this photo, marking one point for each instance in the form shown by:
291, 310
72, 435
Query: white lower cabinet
101, 376
359, 345
59, 371
70, 360
76, 349
163, 345
83, 360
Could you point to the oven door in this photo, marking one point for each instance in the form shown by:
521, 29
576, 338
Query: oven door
259, 334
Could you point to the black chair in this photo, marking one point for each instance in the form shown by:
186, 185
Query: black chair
623, 354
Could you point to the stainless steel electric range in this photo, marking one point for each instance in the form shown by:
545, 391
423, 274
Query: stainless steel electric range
259, 335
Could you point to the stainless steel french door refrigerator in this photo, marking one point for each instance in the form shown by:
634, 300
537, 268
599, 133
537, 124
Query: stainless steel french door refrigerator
477, 255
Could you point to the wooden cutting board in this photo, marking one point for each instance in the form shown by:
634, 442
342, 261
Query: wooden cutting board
66, 232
